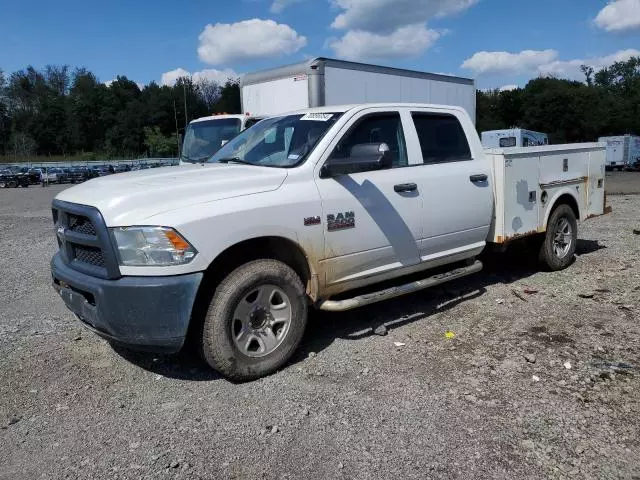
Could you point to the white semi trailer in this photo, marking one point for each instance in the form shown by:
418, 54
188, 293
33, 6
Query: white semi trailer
623, 151
323, 82
513, 137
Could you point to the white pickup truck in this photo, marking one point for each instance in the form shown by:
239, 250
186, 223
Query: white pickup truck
298, 211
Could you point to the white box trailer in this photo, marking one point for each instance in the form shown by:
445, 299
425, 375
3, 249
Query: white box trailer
529, 179
323, 81
513, 137
622, 151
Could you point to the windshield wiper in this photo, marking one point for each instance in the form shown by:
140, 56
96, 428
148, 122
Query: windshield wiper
194, 160
235, 160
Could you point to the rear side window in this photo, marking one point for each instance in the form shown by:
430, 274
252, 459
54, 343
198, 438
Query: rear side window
507, 142
442, 138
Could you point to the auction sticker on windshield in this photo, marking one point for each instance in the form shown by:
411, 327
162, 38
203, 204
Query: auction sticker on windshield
318, 117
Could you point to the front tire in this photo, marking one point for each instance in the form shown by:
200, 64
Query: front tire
255, 321
559, 245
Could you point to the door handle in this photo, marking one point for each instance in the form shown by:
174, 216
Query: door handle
405, 187
480, 177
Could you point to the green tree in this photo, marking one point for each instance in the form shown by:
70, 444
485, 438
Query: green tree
158, 144
229, 101
5, 120
87, 98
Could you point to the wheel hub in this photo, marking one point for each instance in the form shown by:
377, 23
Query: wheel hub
258, 318
261, 320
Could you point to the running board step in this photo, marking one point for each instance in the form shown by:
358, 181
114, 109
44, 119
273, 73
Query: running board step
369, 298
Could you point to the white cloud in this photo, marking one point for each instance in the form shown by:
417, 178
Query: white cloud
408, 41
385, 16
505, 63
508, 88
540, 63
170, 78
380, 29
572, 68
109, 82
278, 6
619, 16
221, 76
249, 39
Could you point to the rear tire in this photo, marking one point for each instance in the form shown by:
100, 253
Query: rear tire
12, 184
559, 244
255, 321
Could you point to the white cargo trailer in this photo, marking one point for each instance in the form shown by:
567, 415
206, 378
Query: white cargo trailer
323, 82
623, 151
513, 137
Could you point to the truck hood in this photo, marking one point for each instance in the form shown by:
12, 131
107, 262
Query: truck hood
131, 198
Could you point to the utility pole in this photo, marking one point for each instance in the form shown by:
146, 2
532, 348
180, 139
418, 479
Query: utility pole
186, 119
175, 115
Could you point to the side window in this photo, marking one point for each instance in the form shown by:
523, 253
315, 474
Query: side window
376, 128
442, 138
507, 142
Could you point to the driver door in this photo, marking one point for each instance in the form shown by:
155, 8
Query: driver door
372, 219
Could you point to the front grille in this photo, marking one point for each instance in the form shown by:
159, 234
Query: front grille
89, 255
84, 240
82, 225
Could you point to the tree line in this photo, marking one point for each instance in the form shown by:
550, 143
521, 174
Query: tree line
64, 112
606, 103
58, 111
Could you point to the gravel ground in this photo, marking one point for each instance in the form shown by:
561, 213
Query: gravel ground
532, 380
622, 182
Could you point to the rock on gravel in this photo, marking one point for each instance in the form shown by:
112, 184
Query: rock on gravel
381, 330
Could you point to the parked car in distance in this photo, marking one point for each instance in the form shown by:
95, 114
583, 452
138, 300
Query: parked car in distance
32, 173
141, 166
11, 179
56, 175
121, 168
103, 170
80, 174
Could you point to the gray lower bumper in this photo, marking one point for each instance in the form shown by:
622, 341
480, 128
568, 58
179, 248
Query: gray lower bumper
151, 313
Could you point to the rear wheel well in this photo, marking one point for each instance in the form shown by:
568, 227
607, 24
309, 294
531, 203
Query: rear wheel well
274, 248
566, 199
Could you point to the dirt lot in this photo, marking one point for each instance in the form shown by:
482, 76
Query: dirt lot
622, 182
534, 385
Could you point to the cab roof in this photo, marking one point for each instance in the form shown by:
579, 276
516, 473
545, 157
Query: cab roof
218, 117
363, 106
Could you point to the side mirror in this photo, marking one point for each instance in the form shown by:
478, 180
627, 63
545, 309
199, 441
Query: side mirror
363, 157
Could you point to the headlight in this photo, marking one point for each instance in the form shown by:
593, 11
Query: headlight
152, 246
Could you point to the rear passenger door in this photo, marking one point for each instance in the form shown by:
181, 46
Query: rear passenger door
455, 187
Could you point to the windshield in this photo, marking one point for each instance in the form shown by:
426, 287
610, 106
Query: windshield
279, 141
205, 138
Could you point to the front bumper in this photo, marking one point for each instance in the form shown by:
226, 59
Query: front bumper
149, 313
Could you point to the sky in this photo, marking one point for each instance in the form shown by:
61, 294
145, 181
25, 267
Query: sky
500, 43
